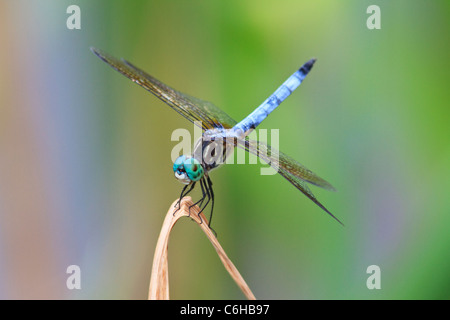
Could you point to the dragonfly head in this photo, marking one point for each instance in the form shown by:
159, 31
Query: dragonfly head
187, 169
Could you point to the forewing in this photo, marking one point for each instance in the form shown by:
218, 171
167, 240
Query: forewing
191, 108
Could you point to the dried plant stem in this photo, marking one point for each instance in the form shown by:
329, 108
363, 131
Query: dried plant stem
159, 280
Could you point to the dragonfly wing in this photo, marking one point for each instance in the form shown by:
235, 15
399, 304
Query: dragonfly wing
191, 108
281, 161
301, 185
291, 170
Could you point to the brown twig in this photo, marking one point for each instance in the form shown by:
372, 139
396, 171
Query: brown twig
159, 280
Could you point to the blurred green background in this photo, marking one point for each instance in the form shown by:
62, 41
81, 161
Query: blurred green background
85, 170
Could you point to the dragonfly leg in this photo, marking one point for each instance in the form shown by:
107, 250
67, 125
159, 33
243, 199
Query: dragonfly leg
212, 200
182, 195
208, 195
199, 201
179, 199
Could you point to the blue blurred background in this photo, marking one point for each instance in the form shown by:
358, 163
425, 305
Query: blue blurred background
85, 170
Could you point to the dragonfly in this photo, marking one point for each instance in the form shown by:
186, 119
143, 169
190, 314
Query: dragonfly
221, 133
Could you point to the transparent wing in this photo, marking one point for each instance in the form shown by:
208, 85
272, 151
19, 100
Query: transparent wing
291, 170
281, 161
191, 108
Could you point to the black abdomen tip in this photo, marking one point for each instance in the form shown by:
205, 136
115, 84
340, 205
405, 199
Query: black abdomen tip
308, 66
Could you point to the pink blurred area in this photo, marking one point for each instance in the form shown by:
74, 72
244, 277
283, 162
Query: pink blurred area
60, 195
31, 249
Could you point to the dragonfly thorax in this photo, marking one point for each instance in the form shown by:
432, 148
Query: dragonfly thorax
187, 169
214, 147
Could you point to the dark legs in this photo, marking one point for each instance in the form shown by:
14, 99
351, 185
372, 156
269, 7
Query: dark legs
210, 194
204, 195
212, 199
183, 194
207, 195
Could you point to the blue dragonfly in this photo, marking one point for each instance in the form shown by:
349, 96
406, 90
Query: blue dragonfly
220, 130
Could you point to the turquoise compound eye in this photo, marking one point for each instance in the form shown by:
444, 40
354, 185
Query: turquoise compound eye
178, 164
193, 169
